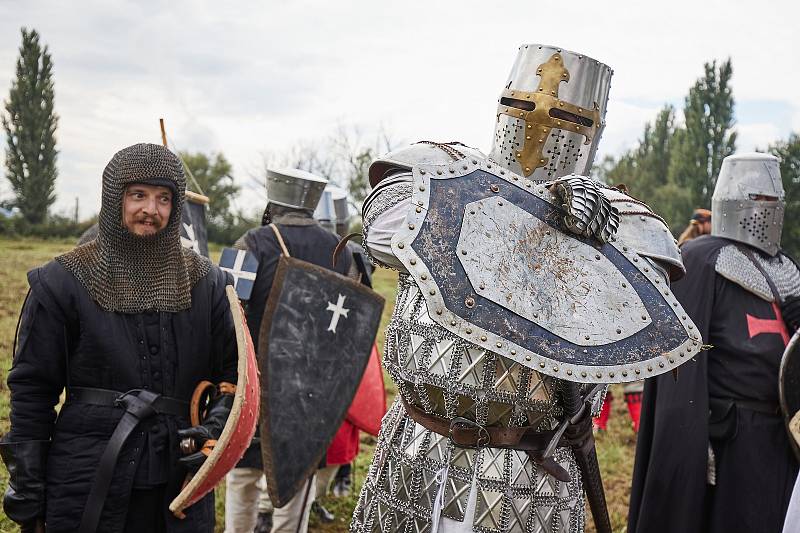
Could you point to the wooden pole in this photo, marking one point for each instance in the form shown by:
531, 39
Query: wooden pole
163, 132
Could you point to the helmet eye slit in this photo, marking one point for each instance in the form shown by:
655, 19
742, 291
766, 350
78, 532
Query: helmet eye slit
525, 105
570, 117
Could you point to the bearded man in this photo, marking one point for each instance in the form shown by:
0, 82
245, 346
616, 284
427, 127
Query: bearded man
128, 324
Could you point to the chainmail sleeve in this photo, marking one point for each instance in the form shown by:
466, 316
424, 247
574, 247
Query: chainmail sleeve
384, 212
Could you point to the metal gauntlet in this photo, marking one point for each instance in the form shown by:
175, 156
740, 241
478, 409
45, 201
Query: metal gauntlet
588, 211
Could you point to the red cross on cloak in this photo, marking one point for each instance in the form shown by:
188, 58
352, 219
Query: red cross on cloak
757, 326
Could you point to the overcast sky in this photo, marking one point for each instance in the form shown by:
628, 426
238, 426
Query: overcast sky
262, 76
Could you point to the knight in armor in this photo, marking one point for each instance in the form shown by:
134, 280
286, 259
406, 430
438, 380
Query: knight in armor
127, 325
713, 454
472, 443
288, 227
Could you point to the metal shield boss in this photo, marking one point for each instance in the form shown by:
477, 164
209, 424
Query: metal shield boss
789, 390
490, 253
241, 424
314, 343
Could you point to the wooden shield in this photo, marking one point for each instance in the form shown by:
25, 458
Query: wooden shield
314, 342
241, 424
369, 403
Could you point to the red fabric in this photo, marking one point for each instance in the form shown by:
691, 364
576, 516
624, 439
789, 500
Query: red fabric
634, 401
344, 446
369, 403
601, 422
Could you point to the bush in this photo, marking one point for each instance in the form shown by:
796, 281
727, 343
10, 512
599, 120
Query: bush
54, 227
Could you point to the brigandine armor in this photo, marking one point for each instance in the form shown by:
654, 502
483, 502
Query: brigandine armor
444, 374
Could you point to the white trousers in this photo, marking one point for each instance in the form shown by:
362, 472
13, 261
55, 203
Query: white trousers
246, 496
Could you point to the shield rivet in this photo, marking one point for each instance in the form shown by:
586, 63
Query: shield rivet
421, 187
611, 374
691, 326
515, 178
431, 292
483, 338
619, 331
439, 172
452, 170
583, 374
569, 371
646, 269
624, 373
638, 371
671, 360
661, 365
586, 337
452, 322
624, 285
585, 351
499, 344
469, 331
474, 162
463, 252
599, 375
411, 226
527, 357
465, 167
502, 172
413, 261
624, 248
439, 311
513, 352
418, 210
644, 317
469, 302
541, 365
401, 245
555, 369
482, 286
597, 256
422, 171
424, 277
500, 202
494, 188
649, 368
657, 281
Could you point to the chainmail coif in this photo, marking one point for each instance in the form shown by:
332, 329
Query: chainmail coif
126, 273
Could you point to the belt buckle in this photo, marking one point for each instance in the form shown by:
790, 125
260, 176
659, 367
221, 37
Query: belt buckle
483, 434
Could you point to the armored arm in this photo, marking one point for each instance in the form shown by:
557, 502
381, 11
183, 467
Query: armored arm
383, 212
588, 211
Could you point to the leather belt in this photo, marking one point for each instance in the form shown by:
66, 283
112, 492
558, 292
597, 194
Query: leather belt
760, 406
469, 434
139, 405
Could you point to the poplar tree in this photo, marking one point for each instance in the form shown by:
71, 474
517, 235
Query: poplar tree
30, 124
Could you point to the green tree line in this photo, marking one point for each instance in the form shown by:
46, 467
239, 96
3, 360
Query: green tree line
674, 167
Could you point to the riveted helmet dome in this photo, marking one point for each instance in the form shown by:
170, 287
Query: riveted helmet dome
748, 201
292, 187
551, 113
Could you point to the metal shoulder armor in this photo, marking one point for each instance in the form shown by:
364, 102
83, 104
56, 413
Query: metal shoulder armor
646, 232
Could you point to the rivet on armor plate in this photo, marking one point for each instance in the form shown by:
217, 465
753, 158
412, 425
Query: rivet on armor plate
515, 177
583, 374
422, 172
644, 317
465, 167
624, 285
500, 202
638, 371
597, 256
619, 331
499, 344
529, 126
502, 172
611, 374
527, 169
599, 375
671, 360
439, 172
452, 170
646, 269
624, 248
432, 292
657, 281
661, 364
555, 369
483, 338
683, 317
586, 337
527, 357
482, 286
649, 368
585, 351
401, 245
411, 226
674, 304
469, 302
413, 261
624, 373
513, 352
528, 183
424, 277
439, 311
569, 371
452, 322
490, 166
418, 210
635, 259
494, 188
463, 252
519, 154
474, 162
469, 331
691, 326
541, 365
421, 187
528, 137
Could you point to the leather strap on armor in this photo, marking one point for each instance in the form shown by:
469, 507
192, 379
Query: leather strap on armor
468, 434
139, 405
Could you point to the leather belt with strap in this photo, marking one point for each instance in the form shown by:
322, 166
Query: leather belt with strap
139, 405
469, 434
760, 406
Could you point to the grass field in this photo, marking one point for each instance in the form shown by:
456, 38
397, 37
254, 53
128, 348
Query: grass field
615, 448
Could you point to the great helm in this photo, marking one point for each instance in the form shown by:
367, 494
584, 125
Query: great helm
748, 201
551, 113
291, 187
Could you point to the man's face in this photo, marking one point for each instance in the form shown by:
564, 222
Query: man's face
146, 208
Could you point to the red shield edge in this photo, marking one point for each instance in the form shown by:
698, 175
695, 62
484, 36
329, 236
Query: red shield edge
369, 403
241, 424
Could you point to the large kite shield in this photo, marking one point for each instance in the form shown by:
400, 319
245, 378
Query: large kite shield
499, 268
314, 343
241, 423
789, 390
